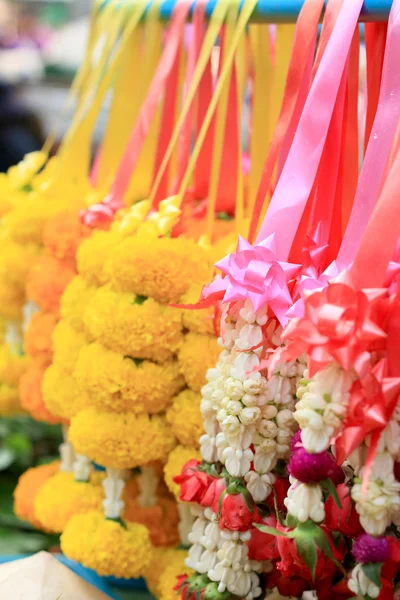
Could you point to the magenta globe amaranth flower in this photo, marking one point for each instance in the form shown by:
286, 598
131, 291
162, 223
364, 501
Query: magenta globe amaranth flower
313, 468
367, 548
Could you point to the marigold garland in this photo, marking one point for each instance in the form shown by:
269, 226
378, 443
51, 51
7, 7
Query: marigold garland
106, 546
61, 497
16, 261
74, 302
67, 343
161, 520
196, 353
27, 488
12, 300
118, 383
164, 558
38, 337
124, 441
160, 268
62, 235
92, 255
141, 329
168, 578
176, 460
61, 394
12, 366
185, 418
47, 281
198, 321
9, 401
30, 391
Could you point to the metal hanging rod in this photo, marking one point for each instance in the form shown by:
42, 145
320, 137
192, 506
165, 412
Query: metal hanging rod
285, 11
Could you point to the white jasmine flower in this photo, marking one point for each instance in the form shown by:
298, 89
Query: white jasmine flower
304, 501
360, 584
259, 485
237, 462
249, 415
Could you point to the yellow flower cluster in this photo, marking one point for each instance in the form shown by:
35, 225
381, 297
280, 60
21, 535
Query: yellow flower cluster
145, 330
196, 353
67, 343
168, 577
164, 558
123, 440
12, 367
92, 256
61, 497
47, 281
15, 262
176, 459
160, 268
118, 383
106, 546
27, 489
30, 392
9, 401
185, 418
75, 300
38, 338
198, 321
61, 393
63, 234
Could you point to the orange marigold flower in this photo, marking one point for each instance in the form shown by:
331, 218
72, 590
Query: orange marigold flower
38, 336
161, 520
47, 281
30, 391
27, 488
62, 235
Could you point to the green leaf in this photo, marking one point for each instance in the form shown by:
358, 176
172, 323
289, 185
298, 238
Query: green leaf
372, 570
291, 521
329, 487
278, 516
137, 361
140, 299
323, 543
7, 457
271, 530
119, 521
223, 216
307, 549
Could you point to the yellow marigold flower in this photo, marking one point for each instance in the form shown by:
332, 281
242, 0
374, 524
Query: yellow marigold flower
9, 401
12, 366
16, 261
168, 578
38, 338
26, 221
118, 383
196, 354
12, 299
74, 301
176, 459
62, 235
185, 418
161, 520
145, 330
47, 281
30, 391
106, 546
160, 268
27, 488
162, 559
61, 497
93, 253
198, 321
67, 344
61, 394
122, 440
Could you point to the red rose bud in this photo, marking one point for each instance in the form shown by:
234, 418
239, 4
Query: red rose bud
237, 512
279, 491
194, 483
313, 468
263, 546
213, 494
345, 520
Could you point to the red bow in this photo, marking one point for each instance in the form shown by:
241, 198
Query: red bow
339, 324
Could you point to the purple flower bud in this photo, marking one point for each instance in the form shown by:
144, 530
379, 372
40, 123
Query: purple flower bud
367, 548
313, 468
295, 442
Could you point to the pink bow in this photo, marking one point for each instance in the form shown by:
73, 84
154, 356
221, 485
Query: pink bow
254, 273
